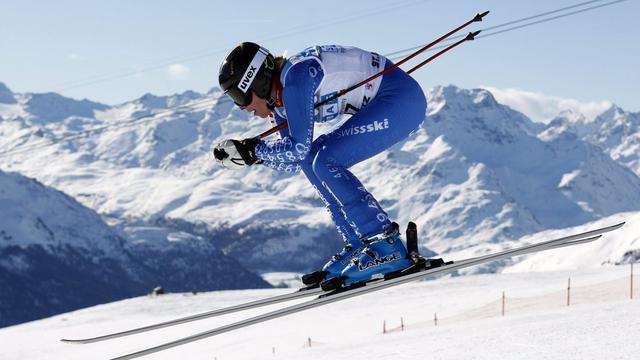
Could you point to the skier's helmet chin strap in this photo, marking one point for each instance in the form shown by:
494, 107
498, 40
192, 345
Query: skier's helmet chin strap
271, 103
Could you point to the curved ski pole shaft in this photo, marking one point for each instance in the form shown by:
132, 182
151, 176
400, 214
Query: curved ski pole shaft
209, 314
379, 285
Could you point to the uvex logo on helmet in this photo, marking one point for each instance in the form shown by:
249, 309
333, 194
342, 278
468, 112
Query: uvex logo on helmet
252, 70
247, 79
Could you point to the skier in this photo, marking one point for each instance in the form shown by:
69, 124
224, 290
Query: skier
383, 112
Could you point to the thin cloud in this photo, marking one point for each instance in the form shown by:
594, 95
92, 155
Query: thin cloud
543, 108
75, 57
178, 71
245, 21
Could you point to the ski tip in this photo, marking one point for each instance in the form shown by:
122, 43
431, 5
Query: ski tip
69, 341
575, 242
479, 17
77, 341
616, 226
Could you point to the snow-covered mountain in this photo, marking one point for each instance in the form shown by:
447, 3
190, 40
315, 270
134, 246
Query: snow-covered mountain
6, 95
57, 255
41, 109
475, 177
475, 173
615, 131
479, 173
160, 173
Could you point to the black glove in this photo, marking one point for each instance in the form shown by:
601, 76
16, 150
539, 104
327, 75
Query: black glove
247, 149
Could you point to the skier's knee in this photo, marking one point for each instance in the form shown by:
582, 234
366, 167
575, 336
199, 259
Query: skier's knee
324, 165
307, 164
319, 164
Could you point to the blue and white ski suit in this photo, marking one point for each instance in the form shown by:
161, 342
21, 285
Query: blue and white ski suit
384, 111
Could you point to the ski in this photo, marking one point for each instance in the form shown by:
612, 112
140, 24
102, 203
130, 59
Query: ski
342, 294
298, 294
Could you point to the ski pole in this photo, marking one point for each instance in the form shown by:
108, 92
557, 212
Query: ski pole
476, 18
469, 37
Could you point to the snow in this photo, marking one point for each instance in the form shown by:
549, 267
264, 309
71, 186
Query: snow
599, 324
283, 279
612, 248
477, 176
50, 218
537, 324
568, 178
615, 131
11, 110
476, 172
57, 255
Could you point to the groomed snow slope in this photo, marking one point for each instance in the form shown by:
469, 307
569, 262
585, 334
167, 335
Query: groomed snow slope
600, 324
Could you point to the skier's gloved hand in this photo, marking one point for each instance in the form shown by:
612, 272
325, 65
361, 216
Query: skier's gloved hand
237, 153
247, 149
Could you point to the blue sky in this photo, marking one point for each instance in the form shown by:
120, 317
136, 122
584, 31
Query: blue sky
118, 50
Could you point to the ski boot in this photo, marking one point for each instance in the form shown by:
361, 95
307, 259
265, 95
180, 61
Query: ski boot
384, 254
336, 264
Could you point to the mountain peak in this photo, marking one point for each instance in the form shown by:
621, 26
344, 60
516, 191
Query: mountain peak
4, 88
614, 111
152, 101
476, 110
483, 97
567, 120
6, 95
53, 107
571, 115
461, 98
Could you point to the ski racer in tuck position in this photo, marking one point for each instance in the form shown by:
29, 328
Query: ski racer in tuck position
383, 112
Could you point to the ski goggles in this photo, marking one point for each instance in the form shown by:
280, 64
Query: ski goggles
239, 98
